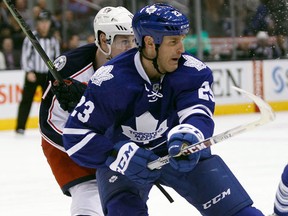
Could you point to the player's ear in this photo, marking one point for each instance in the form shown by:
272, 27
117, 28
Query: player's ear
103, 41
149, 41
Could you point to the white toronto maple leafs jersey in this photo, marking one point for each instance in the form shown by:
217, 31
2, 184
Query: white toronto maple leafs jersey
122, 104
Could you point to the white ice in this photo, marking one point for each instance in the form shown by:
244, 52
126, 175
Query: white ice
257, 158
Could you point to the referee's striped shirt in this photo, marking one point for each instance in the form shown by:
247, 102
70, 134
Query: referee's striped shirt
31, 60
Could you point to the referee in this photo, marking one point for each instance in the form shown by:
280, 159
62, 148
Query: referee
34, 67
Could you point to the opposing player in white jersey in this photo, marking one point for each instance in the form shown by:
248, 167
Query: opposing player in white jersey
161, 100
114, 35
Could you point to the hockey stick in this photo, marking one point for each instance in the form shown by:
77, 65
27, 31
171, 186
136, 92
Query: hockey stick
25, 28
267, 115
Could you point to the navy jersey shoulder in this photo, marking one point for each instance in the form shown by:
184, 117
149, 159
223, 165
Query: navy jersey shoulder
118, 78
118, 72
191, 74
75, 60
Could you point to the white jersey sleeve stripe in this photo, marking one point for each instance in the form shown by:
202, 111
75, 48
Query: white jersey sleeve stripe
75, 131
183, 114
81, 144
281, 202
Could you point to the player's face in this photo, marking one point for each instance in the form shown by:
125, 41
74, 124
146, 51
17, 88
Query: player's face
122, 43
170, 51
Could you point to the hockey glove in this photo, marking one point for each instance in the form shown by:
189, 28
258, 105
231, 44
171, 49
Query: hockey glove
131, 160
69, 93
178, 138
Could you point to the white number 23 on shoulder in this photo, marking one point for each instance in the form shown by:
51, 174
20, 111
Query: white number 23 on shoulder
205, 92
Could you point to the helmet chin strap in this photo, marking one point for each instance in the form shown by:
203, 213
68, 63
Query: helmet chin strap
154, 60
108, 54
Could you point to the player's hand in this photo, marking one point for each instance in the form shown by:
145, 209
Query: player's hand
69, 93
178, 138
131, 161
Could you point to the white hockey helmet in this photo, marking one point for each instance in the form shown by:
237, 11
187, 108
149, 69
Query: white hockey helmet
112, 21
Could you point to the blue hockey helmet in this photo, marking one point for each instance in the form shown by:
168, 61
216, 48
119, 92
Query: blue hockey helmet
158, 20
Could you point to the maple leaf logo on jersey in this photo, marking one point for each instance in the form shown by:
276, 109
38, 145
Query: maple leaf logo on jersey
102, 74
146, 129
193, 62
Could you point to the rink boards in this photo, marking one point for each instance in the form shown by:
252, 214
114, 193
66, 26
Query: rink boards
268, 79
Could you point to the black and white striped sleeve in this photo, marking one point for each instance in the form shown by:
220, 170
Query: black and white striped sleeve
27, 59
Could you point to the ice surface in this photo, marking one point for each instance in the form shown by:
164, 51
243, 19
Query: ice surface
257, 158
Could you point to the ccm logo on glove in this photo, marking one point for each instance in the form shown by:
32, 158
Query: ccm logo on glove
126, 152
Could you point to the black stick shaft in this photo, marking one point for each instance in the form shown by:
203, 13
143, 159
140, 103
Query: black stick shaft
25, 28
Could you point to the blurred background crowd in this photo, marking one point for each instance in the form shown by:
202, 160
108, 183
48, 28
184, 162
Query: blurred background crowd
220, 29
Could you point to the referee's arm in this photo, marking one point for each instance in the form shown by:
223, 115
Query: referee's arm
27, 56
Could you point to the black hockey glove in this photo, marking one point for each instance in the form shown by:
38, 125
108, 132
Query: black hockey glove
69, 93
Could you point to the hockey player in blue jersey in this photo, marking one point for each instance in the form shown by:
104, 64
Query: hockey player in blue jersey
281, 198
144, 104
113, 34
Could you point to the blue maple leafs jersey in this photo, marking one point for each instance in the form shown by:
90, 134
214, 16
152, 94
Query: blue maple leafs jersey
122, 104
77, 64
